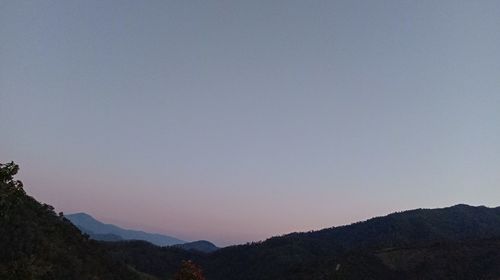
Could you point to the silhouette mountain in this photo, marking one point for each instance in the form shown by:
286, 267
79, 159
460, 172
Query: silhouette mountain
459, 242
36, 243
102, 237
98, 230
200, 245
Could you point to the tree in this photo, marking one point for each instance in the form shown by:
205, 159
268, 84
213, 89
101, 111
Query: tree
189, 271
7, 172
35, 243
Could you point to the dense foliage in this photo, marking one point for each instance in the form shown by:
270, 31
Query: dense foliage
450, 243
162, 262
36, 243
200, 246
189, 271
460, 242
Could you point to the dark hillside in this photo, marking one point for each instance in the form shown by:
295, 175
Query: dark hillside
36, 243
447, 243
162, 262
413, 227
200, 246
459, 242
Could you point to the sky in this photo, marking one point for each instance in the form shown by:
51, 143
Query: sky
234, 121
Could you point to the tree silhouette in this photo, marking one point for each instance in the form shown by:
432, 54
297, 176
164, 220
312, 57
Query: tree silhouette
7, 172
189, 271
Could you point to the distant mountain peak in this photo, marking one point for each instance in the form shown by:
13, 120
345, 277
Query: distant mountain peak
463, 205
81, 215
200, 245
96, 228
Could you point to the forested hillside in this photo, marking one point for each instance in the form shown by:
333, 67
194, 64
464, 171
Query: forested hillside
459, 242
36, 243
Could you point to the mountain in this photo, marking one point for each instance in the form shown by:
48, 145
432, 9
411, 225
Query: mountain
201, 246
102, 237
36, 243
97, 230
459, 242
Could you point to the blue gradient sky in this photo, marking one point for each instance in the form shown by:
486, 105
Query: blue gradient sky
237, 120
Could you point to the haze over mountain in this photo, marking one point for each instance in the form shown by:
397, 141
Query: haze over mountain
100, 231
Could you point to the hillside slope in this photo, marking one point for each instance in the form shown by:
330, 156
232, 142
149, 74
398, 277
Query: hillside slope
200, 245
36, 243
457, 242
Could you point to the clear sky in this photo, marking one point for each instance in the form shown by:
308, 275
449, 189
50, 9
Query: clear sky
234, 121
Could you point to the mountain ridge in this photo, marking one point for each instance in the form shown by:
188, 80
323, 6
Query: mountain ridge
203, 246
92, 226
458, 242
100, 231
455, 236
37, 243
